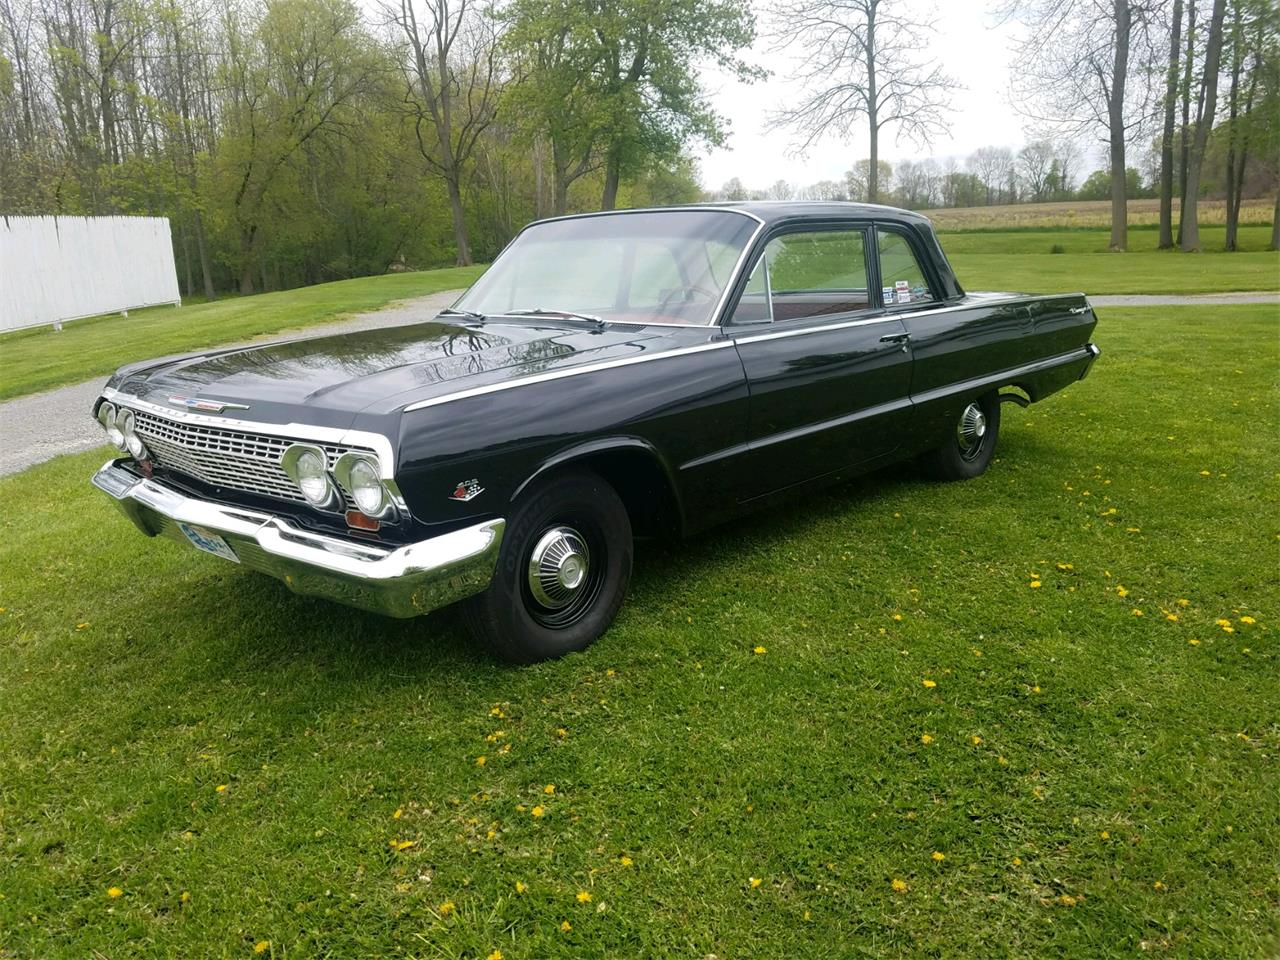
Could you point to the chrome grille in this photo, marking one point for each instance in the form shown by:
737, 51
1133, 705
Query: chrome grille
227, 458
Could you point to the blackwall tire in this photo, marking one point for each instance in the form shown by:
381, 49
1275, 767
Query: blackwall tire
562, 572
968, 453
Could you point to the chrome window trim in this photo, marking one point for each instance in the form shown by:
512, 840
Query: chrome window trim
377, 442
561, 374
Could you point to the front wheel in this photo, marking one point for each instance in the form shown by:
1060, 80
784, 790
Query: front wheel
968, 453
562, 573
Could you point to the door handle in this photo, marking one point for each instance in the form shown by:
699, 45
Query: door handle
902, 338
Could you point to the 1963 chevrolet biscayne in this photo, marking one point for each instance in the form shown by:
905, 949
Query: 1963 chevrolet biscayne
640, 372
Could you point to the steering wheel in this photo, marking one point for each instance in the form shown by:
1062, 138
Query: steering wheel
692, 288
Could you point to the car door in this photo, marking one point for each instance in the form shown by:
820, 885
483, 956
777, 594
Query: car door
827, 369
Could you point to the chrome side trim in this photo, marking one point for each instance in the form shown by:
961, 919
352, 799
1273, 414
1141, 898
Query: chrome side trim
378, 443
399, 581
1085, 353
821, 328
562, 374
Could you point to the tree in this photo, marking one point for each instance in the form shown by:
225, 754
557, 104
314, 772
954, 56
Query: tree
860, 64
860, 180
1166, 140
1035, 167
781, 190
452, 72
992, 166
1085, 65
1213, 56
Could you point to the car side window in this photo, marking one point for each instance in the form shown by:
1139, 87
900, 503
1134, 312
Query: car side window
901, 278
811, 274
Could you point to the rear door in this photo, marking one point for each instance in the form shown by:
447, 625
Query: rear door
828, 370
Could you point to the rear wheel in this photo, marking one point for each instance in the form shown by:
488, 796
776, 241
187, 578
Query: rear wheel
562, 573
969, 452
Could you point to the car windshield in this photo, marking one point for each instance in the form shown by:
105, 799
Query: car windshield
668, 266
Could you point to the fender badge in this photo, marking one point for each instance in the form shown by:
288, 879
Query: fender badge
207, 406
467, 490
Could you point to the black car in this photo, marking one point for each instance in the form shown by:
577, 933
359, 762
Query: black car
641, 372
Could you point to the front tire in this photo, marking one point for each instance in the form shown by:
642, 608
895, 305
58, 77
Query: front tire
562, 572
968, 453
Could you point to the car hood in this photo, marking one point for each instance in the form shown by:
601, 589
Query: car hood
334, 378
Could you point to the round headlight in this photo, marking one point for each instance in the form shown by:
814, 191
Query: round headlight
107, 416
125, 422
313, 478
366, 488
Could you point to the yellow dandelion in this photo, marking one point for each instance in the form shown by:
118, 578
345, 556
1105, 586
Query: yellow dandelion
565, 926
1171, 617
625, 860
897, 616
480, 761
759, 649
496, 955
1105, 835
446, 908
976, 740
1136, 612
1065, 566
1193, 642
754, 881
504, 749
561, 732
186, 896
899, 886
1158, 885
610, 672
583, 896
1247, 620
82, 626
520, 887
1067, 900
929, 684
262, 946
114, 892
926, 739
1017, 861
398, 814
549, 789
1184, 602
1222, 622
1002, 761
1133, 529
1035, 584
1121, 591
220, 788
937, 856
1228, 629
537, 811
1205, 473
1036, 688
402, 845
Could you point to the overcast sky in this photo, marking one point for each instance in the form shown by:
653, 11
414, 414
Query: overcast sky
968, 43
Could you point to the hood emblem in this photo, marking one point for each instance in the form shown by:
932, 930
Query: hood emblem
467, 490
207, 406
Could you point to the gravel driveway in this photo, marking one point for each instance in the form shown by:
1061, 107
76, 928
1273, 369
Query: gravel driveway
45, 425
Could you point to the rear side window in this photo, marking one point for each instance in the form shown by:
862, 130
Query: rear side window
811, 274
901, 278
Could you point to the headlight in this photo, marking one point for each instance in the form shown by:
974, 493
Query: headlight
107, 417
307, 467
132, 442
366, 488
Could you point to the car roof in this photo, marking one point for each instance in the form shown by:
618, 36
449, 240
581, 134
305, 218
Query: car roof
773, 211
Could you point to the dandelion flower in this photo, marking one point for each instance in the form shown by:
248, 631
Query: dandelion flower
929, 684
537, 811
82, 626
496, 955
186, 897
520, 887
262, 946
759, 649
937, 856
1017, 861
1222, 622
565, 926
897, 616
1205, 473
221, 788
549, 789
625, 860
1248, 620
480, 761
754, 881
926, 739
402, 845
899, 886
561, 732
583, 896
1158, 885
1035, 584
1121, 591
398, 814
1136, 612
1171, 617
446, 908
1194, 642
976, 740
1067, 900
1184, 602
114, 892
1002, 761
1035, 689
1105, 835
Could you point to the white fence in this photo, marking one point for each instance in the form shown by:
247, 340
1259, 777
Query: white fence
60, 268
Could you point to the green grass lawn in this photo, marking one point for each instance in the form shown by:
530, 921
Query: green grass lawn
39, 359
1026, 240
1102, 273
1094, 758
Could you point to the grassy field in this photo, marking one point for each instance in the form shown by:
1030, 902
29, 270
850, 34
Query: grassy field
1103, 273
1088, 213
38, 359
1031, 715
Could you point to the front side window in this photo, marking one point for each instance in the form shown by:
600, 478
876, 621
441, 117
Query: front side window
902, 279
659, 267
813, 274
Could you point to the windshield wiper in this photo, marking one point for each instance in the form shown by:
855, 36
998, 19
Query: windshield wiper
469, 314
546, 312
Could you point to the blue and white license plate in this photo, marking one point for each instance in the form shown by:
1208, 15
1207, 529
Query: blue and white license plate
209, 542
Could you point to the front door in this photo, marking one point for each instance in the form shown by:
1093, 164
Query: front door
828, 369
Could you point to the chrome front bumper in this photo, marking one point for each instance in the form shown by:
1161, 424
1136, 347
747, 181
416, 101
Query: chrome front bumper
397, 581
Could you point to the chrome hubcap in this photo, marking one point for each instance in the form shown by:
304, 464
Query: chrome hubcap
558, 567
971, 429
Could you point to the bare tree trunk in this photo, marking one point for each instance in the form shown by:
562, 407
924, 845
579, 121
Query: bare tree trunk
1275, 225
1213, 55
609, 196
206, 266
1184, 146
459, 222
1115, 121
1233, 126
1166, 139
873, 112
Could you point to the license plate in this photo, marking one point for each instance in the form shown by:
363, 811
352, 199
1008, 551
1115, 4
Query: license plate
209, 542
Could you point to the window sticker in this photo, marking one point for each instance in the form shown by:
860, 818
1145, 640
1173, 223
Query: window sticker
904, 296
